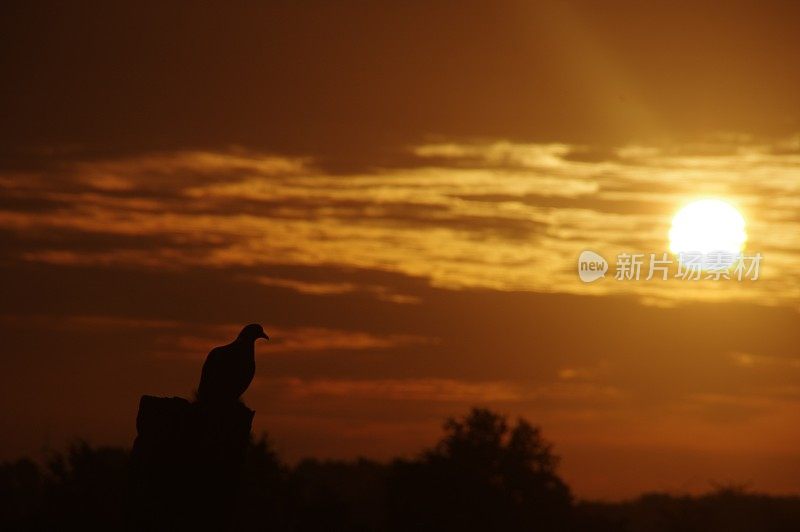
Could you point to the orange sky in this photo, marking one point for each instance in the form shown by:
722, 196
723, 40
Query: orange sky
399, 194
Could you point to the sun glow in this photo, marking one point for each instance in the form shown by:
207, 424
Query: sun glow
705, 226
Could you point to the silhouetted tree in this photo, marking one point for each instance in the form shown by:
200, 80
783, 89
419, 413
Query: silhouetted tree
265, 502
85, 489
21, 488
481, 476
340, 496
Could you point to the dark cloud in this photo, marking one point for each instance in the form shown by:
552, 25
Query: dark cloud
22, 203
14, 244
350, 83
588, 202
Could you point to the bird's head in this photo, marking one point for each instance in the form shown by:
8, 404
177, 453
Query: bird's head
253, 332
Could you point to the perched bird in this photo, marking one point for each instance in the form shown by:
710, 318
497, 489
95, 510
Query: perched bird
229, 369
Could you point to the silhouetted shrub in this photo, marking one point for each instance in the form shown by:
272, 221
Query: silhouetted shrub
83, 489
483, 475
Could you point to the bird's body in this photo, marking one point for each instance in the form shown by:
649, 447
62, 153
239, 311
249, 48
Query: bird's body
229, 369
227, 372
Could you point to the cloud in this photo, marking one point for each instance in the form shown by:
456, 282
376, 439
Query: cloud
446, 390
286, 340
383, 293
499, 215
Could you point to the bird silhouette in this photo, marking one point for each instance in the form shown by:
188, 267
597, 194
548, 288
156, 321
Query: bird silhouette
229, 369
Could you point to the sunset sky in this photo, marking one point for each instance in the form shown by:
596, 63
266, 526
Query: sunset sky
399, 194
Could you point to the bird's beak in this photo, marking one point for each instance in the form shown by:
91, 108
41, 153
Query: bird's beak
264, 336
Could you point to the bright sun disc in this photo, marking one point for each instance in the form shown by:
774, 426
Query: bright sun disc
706, 226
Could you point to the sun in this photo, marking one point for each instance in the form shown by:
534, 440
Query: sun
706, 226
